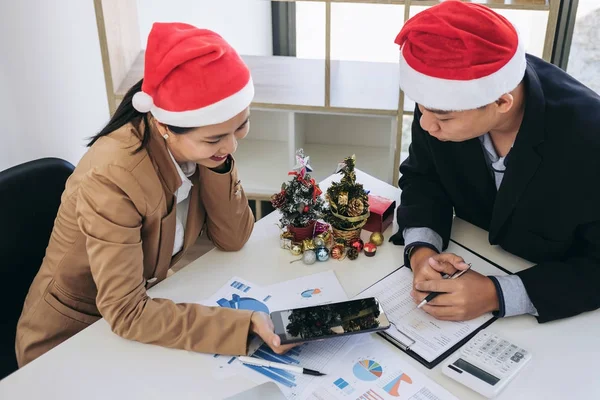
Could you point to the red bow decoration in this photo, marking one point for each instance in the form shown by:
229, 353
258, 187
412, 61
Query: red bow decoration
316, 190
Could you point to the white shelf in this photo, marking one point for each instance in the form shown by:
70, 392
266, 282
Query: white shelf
263, 165
324, 159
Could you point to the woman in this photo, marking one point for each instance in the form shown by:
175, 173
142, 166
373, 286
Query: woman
153, 178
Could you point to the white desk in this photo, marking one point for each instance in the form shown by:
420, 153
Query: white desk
97, 364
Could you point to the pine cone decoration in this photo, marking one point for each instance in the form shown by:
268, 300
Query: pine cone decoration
356, 208
278, 200
352, 253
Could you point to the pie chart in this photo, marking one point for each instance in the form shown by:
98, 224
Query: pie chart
367, 370
243, 303
310, 293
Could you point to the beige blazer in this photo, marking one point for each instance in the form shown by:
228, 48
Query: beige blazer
113, 239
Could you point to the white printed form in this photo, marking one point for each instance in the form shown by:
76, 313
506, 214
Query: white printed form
422, 333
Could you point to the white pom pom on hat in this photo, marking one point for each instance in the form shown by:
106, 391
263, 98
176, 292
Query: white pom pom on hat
142, 102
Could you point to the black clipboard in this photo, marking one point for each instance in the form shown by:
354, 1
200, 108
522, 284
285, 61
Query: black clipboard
405, 347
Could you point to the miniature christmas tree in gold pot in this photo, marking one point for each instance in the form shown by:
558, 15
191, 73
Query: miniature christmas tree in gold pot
348, 203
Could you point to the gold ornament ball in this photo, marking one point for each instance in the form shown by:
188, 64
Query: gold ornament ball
296, 248
319, 242
376, 238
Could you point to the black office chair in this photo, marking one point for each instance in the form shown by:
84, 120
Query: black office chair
29, 200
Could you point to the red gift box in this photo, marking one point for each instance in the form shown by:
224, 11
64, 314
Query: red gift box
382, 213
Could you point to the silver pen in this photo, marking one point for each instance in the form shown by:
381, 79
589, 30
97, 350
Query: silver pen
270, 364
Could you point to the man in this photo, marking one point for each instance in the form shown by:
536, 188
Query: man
509, 143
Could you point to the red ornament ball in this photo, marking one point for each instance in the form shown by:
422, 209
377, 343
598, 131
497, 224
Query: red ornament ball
337, 251
370, 249
306, 209
357, 243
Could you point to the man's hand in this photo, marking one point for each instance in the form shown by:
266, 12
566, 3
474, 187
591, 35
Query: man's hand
261, 324
462, 299
429, 265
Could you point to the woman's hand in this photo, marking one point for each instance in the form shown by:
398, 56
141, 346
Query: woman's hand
261, 324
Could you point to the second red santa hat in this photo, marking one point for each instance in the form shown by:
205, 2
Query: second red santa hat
459, 56
192, 77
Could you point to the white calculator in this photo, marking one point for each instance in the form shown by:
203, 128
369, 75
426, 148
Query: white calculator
486, 363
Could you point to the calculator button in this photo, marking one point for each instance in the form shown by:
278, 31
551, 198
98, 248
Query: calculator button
504, 343
479, 354
519, 355
488, 359
515, 359
522, 351
513, 347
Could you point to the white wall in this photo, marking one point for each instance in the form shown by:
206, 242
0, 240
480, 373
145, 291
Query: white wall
8, 132
245, 24
52, 91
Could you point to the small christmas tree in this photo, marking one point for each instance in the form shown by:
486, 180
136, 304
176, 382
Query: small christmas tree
348, 201
300, 199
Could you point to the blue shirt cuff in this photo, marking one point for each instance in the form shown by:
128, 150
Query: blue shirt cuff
512, 296
425, 237
422, 235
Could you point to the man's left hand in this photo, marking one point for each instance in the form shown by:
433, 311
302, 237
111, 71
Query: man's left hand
462, 299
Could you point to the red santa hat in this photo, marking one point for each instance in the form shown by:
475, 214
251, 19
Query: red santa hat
459, 56
192, 77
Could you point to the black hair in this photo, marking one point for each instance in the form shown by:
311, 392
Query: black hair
126, 113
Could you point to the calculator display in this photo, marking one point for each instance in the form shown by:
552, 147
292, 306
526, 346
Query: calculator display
477, 372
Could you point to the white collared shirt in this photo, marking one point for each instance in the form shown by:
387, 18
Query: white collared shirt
185, 170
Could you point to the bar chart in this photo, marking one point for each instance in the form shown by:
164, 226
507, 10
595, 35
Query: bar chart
343, 386
370, 395
313, 355
240, 286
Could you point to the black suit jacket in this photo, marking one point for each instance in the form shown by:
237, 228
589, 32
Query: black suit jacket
547, 209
